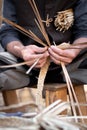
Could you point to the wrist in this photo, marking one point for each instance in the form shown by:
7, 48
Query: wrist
15, 48
18, 50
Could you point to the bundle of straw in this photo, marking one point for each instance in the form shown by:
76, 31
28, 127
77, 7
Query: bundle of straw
48, 119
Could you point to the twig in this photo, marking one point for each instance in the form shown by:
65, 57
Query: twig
47, 109
71, 91
24, 31
36, 61
40, 23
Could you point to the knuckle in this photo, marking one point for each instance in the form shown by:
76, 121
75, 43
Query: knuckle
70, 60
56, 62
73, 55
61, 52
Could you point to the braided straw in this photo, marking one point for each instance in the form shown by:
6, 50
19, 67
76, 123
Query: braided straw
40, 84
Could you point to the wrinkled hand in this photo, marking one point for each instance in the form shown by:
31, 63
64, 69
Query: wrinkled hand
58, 55
32, 52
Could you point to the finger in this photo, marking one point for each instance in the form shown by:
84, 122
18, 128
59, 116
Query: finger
62, 59
31, 62
63, 53
39, 50
30, 57
42, 60
41, 63
56, 58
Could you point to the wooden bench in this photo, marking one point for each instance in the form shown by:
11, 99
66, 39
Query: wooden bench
53, 93
59, 91
10, 97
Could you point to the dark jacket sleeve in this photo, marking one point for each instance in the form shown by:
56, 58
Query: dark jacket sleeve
7, 32
80, 25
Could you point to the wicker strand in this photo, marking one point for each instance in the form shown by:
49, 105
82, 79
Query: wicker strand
40, 84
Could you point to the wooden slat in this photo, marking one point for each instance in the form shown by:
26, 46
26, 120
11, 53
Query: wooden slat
81, 96
21, 107
10, 97
55, 92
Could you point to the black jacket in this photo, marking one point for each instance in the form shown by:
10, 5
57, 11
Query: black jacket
20, 11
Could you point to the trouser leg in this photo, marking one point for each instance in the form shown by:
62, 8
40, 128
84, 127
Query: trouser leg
12, 78
78, 69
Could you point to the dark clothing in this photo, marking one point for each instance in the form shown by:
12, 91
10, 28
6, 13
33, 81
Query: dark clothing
20, 11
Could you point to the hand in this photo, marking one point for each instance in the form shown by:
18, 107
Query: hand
58, 55
32, 52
